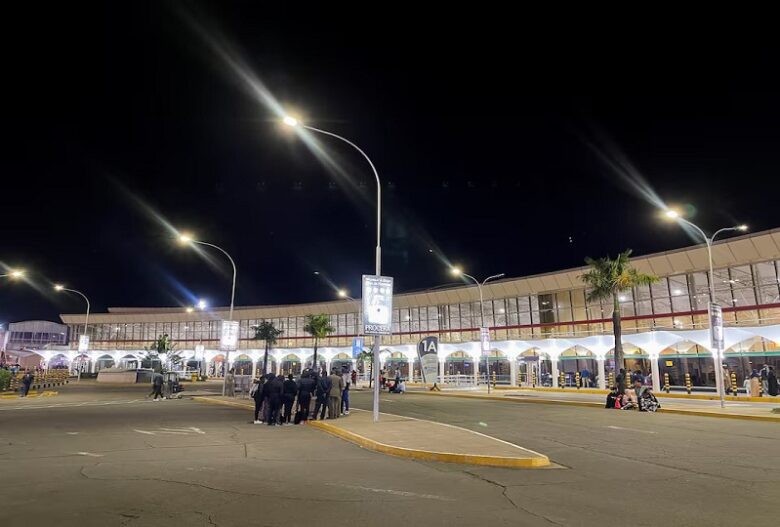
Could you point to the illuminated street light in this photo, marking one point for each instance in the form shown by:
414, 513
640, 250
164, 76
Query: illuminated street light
295, 123
190, 309
709, 240
188, 239
60, 288
457, 271
202, 304
13, 273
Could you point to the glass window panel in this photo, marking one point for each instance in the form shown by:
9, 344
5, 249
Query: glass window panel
766, 279
699, 289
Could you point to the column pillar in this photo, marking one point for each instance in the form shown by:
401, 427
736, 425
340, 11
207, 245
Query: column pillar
655, 373
410, 361
513, 371
476, 363
554, 371
254, 368
602, 373
442, 371
278, 367
327, 367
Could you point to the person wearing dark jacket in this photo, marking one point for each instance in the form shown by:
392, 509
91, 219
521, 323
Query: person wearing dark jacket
306, 386
289, 389
771, 382
272, 393
256, 392
323, 391
27, 380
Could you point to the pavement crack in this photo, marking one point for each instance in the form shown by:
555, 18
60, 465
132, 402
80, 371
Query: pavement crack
515, 505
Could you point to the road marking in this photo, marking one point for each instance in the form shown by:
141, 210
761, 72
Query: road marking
172, 431
387, 400
90, 454
631, 429
72, 433
69, 405
393, 492
143, 432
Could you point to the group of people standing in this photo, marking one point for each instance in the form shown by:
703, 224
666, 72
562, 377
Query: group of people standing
763, 381
275, 397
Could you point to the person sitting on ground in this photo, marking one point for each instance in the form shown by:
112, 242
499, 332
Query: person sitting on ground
612, 398
648, 401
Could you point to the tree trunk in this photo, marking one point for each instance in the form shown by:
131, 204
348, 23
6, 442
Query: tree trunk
265, 359
618, 332
314, 364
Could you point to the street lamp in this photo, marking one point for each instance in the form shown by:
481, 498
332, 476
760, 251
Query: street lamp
674, 215
60, 288
457, 271
14, 274
295, 123
187, 239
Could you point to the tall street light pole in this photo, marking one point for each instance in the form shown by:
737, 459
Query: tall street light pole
674, 215
291, 121
13, 274
458, 272
187, 239
60, 287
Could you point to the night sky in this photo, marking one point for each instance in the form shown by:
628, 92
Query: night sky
517, 149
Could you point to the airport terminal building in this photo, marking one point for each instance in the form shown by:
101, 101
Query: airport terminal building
540, 325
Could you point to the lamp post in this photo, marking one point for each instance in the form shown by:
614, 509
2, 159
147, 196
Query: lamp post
708, 240
59, 288
13, 274
187, 239
458, 272
292, 122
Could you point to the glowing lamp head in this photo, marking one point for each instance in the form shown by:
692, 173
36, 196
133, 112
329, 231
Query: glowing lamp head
671, 214
59, 287
342, 293
190, 309
742, 228
16, 273
185, 238
290, 121
202, 304
456, 271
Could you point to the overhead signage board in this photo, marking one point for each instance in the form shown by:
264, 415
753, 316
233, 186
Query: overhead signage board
716, 326
228, 340
83, 343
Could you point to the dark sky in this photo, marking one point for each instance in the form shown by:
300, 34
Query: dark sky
485, 135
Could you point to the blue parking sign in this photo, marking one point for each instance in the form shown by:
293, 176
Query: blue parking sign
357, 346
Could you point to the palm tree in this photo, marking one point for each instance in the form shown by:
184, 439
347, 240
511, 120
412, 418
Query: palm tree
163, 345
607, 278
318, 326
266, 331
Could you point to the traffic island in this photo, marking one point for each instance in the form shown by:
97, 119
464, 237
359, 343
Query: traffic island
429, 441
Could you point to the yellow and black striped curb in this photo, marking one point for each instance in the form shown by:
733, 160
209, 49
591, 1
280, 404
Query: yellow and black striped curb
596, 404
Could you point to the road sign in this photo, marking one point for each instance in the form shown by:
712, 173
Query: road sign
716, 326
484, 337
428, 351
377, 305
228, 340
357, 346
83, 343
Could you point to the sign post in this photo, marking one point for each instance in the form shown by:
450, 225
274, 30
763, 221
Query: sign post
428, 353
377, 319
716, 342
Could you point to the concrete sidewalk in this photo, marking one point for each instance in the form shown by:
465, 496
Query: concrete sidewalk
702, 408
419, 439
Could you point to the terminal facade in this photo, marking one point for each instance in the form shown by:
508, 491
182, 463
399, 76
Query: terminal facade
539, 325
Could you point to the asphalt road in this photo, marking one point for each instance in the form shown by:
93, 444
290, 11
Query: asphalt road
111, 457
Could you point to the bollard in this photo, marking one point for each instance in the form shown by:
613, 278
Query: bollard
611, 380
533, 378
667, 387
494, 379
760, 388
734, 384
562, 380
688, 382
577, 380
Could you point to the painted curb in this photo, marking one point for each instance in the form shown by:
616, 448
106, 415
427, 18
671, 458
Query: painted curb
662, 395
539, 461
429, 455
679, 411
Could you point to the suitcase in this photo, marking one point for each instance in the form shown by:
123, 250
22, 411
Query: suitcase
298, 417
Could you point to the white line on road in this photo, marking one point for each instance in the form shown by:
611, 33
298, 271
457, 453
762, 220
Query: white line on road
90, 454
144, 432
631, 429
393, 492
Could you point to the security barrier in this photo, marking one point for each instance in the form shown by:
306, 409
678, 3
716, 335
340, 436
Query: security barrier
688, 386
734, 384
667, 386
562, 380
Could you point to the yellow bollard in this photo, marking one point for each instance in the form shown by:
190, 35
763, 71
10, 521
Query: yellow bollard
667, 386
688, 383
494, 379
734, 384
611, 380
577, 380
533, 378
562, 380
